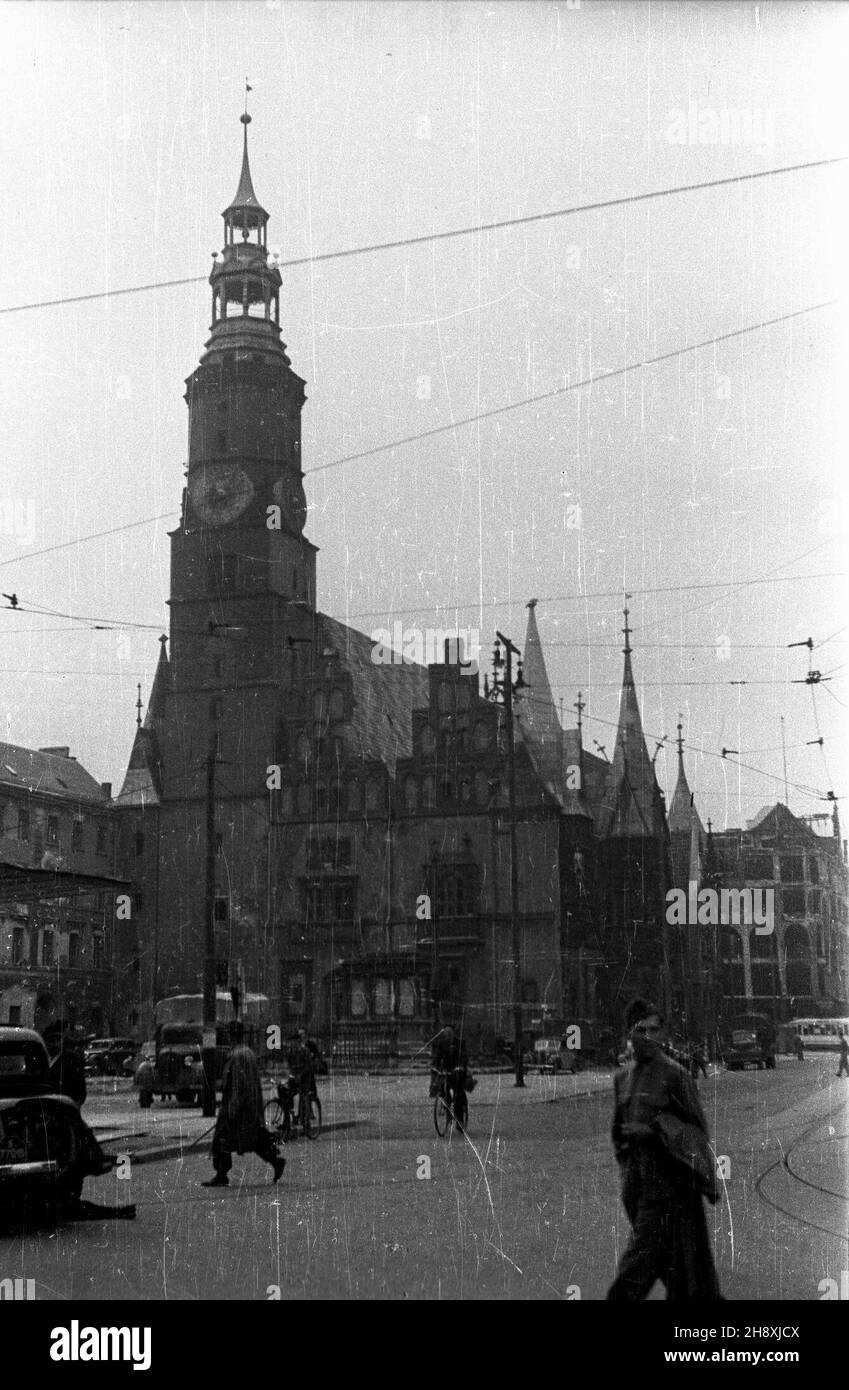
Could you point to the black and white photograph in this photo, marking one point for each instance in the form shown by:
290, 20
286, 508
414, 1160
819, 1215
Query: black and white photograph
423, 692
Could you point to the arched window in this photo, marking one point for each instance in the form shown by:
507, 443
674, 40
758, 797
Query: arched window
428, 794
355, 795
337, 797
321, 799
445, 697
374, 794
337, 705
411, 793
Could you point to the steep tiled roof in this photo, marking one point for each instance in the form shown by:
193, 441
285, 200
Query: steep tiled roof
384, 696
142, 784
48, 773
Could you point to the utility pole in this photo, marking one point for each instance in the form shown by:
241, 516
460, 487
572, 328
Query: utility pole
209, 980
505, 689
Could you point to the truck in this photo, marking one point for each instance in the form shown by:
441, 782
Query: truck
175, 1068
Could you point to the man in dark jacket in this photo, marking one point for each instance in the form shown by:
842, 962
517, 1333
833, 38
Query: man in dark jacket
67, 1066
449, 1056
240, 1126
669, 1239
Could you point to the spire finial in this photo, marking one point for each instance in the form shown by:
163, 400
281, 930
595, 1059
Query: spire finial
138, 706
680, 738
245, 118
532, 603
580, 706
626, 629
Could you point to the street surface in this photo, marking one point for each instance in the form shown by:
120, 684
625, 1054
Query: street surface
526, 1207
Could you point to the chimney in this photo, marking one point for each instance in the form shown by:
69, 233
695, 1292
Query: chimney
106, 788
63, 752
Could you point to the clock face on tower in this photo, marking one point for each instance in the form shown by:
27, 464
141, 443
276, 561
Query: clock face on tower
291, 498
220, 493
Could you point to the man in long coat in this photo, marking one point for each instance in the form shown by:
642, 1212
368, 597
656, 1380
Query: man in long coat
669, 1238
239, 1126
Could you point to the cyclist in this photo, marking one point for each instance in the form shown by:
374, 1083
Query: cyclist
304, 1061
449, 1056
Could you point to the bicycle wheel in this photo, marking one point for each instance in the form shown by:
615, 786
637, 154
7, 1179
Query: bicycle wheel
312, 1118
275, 1118
462, 1113
442, 1116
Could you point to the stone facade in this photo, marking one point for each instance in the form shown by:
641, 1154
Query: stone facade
56, 954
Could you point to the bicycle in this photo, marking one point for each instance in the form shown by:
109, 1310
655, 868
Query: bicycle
444, 1114
278, 1116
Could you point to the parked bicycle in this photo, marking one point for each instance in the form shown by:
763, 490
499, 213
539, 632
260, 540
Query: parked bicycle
281, 1119
448, 1109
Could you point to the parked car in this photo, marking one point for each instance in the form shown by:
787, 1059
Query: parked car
106, 1056
553, 1054
46, 1148
744, 1049
145, 1053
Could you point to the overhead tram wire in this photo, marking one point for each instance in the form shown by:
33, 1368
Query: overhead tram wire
429, 238
472, 419
572, 386
88, 618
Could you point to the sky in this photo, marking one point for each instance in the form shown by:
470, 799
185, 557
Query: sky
376, 123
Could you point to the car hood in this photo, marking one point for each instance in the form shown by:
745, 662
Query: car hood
37, 1093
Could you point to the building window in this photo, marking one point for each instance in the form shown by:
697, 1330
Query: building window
218, 667
101, 839
221, 909
330, 900
138, 900
73, 950
139, 843
23, 825
77, 835
757, 866
19, 942
792, 868
793, 902
215, 710
813, 870
97, 951
53, 830
14, 1015
337, 706
455, 889
47, 948
219, 843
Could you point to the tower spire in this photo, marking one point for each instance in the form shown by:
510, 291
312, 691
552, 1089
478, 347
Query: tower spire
680, 741
626, 631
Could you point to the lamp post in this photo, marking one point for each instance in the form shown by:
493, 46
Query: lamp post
209, 980
501, 691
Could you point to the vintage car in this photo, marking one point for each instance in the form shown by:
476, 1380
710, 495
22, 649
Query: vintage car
554, 1054
743, 1048
107, 1056
175, 1068
46, 1148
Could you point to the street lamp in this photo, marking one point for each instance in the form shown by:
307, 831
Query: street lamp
501, 691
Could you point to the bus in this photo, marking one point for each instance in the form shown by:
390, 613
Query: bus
188, 1009
819, 1034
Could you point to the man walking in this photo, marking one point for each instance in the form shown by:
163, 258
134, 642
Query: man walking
239, 1126
655, 1102
843, 1068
